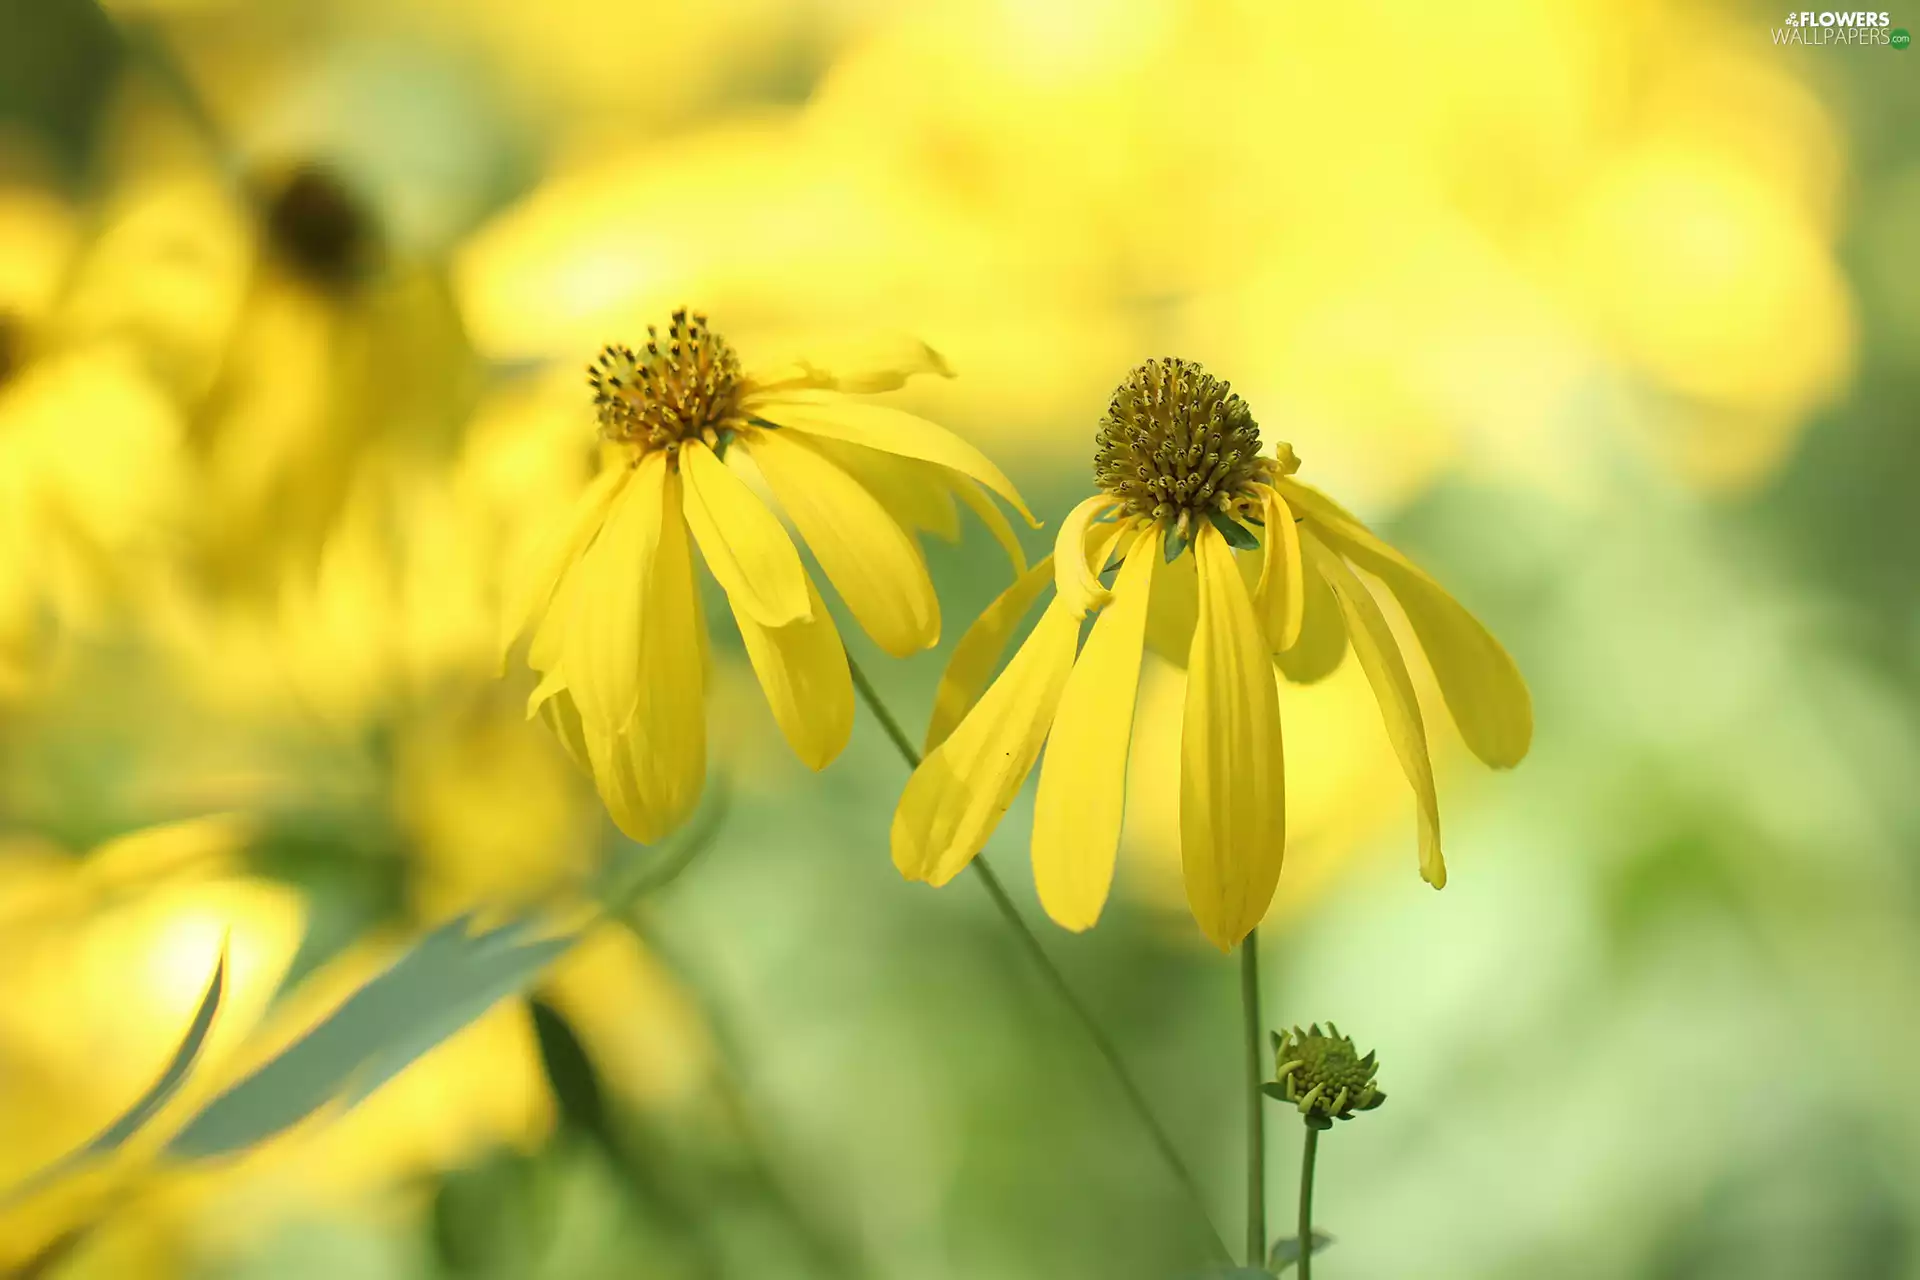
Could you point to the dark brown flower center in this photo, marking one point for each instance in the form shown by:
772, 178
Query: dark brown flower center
319, 228
684, 386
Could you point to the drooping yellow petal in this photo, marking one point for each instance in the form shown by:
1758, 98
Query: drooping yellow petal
1175, 609
557, 552
1483, 688
1232, 780
742, 542
990, 515
552, 684
606, 604
915, 494
891, 431
873, 563
1281, 594
881, 363
1082, 795
959, 793
803, 669
549, 644
1075, 582
1323, 633
564, 719
664, 748
974, 658
1386, 669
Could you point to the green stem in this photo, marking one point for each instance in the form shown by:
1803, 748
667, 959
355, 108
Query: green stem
1108, 1052
1256, 1115
1306, 1203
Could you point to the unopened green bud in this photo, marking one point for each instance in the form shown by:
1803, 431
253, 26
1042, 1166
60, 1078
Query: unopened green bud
1320, 1073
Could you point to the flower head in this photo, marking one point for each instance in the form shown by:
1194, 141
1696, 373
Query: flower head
612, 603
1177, 444
1322, 1074
1215, 551
318, 229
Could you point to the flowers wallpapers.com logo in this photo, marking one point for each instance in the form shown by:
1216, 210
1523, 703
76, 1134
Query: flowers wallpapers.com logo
1851, 28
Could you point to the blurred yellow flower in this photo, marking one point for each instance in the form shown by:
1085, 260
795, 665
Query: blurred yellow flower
1179, 466
612, 602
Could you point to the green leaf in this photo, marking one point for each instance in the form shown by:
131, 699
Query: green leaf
570, 1073
1286, 1250
446, 981
135, 1117
1238, 536
1229, 1273
1174, 544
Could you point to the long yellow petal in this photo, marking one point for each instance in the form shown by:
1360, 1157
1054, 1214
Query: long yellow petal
666, 741
872, 562
1082, 796
557, 552
1076, 582
915, 494
1175, 610
1386, 669
891, 431
1281, 595
990, 515
742, 542
881, 363
974, 658
803, 669
1482, 686
549, 643
959, 793
564, 719
1232, 779
1323, 633
607, 604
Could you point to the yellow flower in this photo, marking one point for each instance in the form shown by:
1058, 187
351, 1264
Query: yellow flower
612, 604
1183, 486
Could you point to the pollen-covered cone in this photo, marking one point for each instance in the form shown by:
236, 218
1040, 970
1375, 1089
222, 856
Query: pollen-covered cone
1185, 486
611, 598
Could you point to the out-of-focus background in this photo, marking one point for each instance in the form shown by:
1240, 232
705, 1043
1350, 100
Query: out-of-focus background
1608, 313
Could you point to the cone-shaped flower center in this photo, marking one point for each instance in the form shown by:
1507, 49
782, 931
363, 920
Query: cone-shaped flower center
1176, 443
681, 387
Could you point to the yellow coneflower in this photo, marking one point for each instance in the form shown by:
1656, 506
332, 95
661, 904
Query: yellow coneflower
1183, 487
613, 605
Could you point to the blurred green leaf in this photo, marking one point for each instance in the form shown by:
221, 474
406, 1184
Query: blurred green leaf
1286, 1250
446, 981
576, 1086
134, 1118
485, 1220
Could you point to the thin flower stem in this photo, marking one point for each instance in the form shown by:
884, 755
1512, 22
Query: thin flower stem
1103, 1045
1306, 1203
1256, 1115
